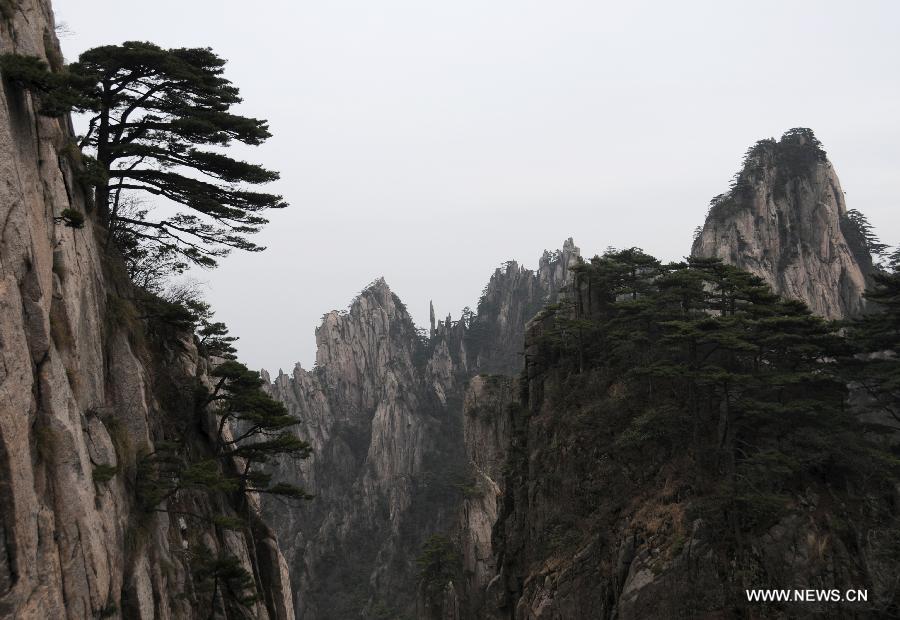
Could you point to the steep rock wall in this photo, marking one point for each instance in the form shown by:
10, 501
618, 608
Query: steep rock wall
84, 389
385, 450
513, 295
487, 411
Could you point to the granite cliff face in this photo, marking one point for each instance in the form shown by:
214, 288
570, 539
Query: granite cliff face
85, 388
409, 434
785, 220
417, 438
383, 441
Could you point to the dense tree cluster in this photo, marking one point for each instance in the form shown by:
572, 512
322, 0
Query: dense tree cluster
791, 157
705, 358
794, 152
875, 367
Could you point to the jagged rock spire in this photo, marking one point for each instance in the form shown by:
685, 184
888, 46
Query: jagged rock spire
431, 313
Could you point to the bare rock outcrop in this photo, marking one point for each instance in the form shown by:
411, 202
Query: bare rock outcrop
785, 220
512, 297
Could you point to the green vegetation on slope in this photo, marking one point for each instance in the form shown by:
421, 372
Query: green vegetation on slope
685, 402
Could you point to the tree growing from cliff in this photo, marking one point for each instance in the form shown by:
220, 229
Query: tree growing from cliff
228, 584
867, 232
159, 119
253, 429
55, 92
159, 123
439, 564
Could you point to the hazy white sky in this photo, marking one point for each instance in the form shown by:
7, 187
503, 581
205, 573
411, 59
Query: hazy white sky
430, 141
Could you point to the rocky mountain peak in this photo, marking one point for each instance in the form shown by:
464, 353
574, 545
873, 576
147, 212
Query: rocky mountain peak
376, 295
784, 218
378, 288
553, 268
406, 441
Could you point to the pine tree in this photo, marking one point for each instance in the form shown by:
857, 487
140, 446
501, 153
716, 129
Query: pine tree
222, 578
439, 563
866, 231
159, 121
253, 428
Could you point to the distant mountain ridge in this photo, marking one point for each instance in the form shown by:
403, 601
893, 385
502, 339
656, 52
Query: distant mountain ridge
588, 529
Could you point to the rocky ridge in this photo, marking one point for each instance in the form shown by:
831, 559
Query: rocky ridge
86, 387
582, 533
409, 434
